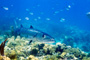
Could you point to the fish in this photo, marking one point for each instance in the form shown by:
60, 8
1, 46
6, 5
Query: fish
34, 34
88, 15
5, 8
62, 20
30, 42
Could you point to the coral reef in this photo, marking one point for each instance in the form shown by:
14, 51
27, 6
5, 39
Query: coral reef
73, 36
4, 58
31, 57
19, 49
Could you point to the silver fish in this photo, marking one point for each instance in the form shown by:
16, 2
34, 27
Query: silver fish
88, 15
34, 34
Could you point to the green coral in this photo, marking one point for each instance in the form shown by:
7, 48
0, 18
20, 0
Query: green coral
86, 58
74, 51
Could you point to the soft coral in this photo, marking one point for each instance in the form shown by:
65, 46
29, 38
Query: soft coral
2, 47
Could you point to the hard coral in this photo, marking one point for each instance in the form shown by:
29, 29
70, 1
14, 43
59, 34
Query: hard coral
31, 57
86, 58
4, 58
50, 57
21, 49
34, 51
63, 55
11, 54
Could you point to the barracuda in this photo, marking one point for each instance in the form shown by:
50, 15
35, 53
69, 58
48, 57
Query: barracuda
34, 34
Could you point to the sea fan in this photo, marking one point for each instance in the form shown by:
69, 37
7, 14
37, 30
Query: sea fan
2, 47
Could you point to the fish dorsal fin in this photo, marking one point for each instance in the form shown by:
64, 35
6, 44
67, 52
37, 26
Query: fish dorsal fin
31, 27
21, 26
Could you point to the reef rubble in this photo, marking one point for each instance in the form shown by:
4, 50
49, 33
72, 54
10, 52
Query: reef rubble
20, 49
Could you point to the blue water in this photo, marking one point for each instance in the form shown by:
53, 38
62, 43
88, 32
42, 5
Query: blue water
46, 15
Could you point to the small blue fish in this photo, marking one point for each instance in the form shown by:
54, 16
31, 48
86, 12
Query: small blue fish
88, 15
5, 8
